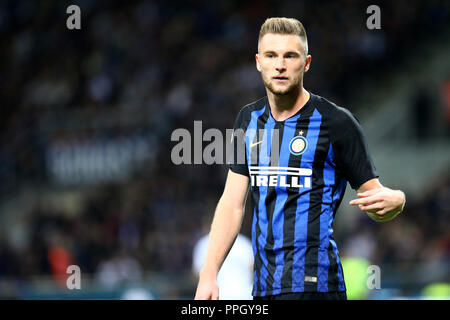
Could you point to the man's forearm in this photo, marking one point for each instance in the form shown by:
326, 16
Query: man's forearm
224, 230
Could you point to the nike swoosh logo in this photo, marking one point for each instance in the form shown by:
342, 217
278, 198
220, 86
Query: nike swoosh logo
255, 144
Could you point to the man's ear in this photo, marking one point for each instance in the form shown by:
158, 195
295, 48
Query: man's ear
257, 62
307, 63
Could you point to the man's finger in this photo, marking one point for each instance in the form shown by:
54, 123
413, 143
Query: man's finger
364, 201
375, 206
368, 193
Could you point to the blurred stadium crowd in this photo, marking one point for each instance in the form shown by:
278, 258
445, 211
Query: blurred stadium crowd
73, 100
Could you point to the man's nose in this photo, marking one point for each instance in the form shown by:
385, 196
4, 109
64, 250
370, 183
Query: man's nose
280, 64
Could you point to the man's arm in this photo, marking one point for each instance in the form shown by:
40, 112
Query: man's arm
380, 203
224, 230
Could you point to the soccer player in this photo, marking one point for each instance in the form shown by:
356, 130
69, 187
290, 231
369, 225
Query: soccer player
235, 277
314, 147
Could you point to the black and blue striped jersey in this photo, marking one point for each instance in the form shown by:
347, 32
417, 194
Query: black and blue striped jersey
298, 170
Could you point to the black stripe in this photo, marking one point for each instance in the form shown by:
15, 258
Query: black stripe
315, 208
270, 202
333, 281
290, 209
337, 181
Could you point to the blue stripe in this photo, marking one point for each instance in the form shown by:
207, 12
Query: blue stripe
263, 221
249, 137
301, 218
278, 213
326, 215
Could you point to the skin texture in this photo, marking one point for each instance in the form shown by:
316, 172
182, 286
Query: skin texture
380, 203
282, 56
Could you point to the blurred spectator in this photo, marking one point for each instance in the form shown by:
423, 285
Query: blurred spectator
59, 259
445, 91
422, 111
119, 270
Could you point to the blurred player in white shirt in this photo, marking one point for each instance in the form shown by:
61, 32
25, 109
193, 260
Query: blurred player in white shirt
235, 278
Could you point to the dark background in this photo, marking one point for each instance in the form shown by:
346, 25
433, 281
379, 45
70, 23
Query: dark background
87, 115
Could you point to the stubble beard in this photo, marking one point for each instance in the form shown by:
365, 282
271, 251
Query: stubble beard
294, 87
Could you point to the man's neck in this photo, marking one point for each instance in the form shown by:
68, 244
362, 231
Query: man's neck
285, 106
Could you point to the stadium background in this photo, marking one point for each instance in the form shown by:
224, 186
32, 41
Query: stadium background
86, 118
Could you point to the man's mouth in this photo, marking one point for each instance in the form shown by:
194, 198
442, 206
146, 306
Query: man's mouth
280, 79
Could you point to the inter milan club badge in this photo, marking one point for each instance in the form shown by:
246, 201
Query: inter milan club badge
298, 144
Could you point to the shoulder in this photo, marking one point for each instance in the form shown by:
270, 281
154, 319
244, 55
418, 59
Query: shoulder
337, 117
332, 110
246, 111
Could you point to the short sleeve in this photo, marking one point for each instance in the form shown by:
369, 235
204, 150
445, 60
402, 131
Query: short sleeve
237, 161
351, 151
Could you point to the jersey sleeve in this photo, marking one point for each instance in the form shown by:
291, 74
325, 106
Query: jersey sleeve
351, 151
237, 161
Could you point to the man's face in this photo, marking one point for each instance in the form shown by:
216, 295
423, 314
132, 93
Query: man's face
282, 62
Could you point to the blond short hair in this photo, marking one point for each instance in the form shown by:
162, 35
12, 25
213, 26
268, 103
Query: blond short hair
283, 25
